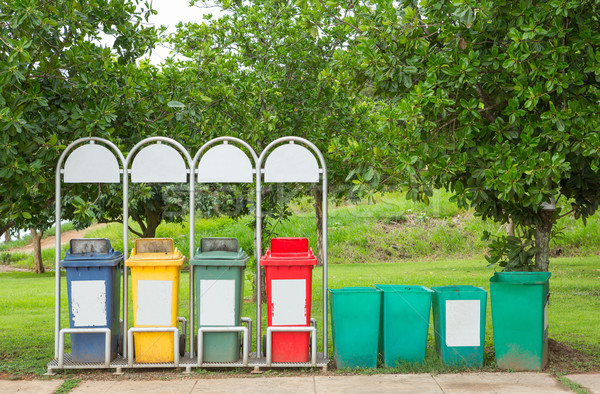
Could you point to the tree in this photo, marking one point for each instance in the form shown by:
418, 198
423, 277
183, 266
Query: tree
494, 100
257, 73
55, 87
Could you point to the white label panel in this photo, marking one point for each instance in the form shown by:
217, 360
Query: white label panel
217, 302
463, 322
154, 298
88, 303
289, 302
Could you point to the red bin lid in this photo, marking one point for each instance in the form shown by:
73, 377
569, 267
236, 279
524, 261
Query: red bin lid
289, 251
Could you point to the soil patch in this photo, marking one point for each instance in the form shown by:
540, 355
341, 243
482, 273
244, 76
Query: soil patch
563, 358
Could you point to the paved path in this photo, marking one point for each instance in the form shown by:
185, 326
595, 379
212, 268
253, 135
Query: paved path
517, 382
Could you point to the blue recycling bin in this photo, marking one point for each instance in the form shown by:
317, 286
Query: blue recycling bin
93, 278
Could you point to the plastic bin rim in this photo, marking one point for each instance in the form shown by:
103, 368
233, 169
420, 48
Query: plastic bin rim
457, 289
175, 255
157, 262
220, 262
356, 290
404, 288
220, 255
524, 278
288, 262
110, 261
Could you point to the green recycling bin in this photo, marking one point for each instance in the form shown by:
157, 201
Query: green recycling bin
459, 323
520, 319
218, 267
404, 323
355, 314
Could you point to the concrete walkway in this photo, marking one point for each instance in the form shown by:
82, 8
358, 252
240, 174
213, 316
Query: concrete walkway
517, 382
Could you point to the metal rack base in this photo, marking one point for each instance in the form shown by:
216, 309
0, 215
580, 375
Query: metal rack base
185, 362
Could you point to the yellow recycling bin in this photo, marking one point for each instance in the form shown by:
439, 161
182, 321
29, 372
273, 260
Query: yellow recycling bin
155, 264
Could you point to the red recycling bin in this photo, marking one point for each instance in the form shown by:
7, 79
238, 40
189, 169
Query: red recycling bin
288, 271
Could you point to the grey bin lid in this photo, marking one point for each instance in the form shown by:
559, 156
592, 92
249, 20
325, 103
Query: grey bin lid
219, 252
91, 252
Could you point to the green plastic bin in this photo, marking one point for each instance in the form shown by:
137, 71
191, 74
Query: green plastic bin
520, 319
219, 286
355, 314
404, 323
459, 323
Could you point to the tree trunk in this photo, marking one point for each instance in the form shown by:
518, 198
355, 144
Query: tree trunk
318, 195
153, 220
542, 241
510, 228
37, 251
7, 236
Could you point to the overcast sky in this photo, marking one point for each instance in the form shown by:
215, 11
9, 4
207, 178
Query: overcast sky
170, 13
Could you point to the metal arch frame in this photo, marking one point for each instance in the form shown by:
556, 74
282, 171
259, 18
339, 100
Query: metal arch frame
260, 172
195, 162
126, 173
58, 212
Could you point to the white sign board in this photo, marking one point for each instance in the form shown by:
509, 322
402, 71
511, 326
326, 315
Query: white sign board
463, 324
88, 303
217, 302
154, 298
289, 302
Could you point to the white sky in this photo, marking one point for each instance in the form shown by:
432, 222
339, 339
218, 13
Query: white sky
170, 13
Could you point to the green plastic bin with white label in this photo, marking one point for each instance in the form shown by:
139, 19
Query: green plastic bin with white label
219, 266
459, 324
520, 319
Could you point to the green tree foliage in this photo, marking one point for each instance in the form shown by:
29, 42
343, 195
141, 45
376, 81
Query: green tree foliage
495, 100
57, 84
258, 72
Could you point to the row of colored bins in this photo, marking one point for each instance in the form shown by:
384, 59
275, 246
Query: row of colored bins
394, 320
93, 276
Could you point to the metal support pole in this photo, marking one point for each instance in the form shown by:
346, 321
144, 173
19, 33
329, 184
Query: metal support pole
258, 254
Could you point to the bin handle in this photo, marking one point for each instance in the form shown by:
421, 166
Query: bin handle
183, 324
248, 321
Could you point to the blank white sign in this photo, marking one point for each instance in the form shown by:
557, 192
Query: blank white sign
463, 322
289, 302
217, 302
154, 298
88, 303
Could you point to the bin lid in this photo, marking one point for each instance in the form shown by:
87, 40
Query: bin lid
91, 252
521, 278
219, 251
154, 252
289, 251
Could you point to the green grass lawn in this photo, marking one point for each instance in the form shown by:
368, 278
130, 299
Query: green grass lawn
27, 307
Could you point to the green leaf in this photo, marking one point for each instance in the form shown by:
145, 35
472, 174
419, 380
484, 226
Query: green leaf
175, 104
